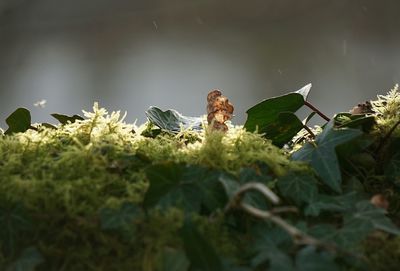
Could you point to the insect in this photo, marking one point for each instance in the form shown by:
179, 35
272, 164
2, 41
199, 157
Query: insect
219, 110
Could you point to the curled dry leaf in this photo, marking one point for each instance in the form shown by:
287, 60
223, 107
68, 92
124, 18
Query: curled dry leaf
219, 110
380, 201
363, 108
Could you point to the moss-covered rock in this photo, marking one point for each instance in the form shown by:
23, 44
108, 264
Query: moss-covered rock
99, 194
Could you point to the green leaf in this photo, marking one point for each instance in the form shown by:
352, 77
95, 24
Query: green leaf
29, 259
321, 154
163, 178
182, 186
230, 184
354, 121
199, 251
267, 112
122, 218
341, 203
19, 121
174, 260
368, 214
358, 222
269, 245
304, 91
301, 188
392, 169
309, 259
14, 221
172, 121
283, 129
64, 119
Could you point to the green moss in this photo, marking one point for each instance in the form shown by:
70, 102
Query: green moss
56, 183
387, 111
64, 177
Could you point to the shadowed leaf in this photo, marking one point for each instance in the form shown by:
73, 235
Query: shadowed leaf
122, 218
18, 121
174, 260
275, 117
309, 259
27, 261
300, 188
321, 154
187, 187
199, 251
64, 119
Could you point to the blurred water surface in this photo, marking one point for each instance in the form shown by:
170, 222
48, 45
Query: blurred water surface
129, 55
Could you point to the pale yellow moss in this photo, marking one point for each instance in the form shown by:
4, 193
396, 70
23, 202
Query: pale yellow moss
387, 109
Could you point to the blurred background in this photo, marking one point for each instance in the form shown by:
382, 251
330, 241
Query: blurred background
131, 54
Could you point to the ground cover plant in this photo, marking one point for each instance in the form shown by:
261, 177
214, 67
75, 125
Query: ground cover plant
198, 193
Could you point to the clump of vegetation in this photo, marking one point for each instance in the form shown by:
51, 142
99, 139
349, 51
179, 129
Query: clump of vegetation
179, 193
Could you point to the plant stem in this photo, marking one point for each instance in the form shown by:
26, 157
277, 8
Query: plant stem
309, 131
298, 236
313, 108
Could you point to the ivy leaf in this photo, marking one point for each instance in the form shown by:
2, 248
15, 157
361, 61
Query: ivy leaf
354, 121
341, 203
163, 178
392, 169
18, 121
392, 162
283, 129
29, 259
269, 245
200, 252
174, 260
368, 215
304, 91
267, 112
357, 224
171, 120
301, 188
321, 154
14, 221
123, 218
309, 259
187, 187
230, 184
64, 119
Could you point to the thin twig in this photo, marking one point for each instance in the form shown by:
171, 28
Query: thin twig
298, 236
309, 131
313, 108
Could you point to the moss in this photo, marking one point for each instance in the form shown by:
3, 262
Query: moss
64, 177
57, 182
386, 108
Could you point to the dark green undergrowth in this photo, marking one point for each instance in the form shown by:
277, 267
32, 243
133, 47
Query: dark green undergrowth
95, 193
